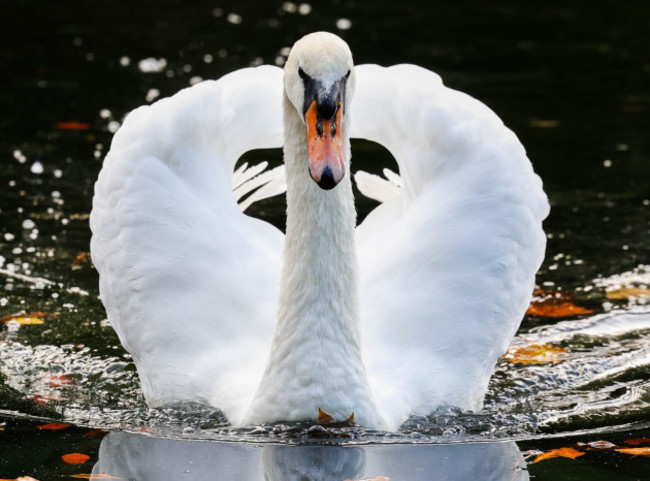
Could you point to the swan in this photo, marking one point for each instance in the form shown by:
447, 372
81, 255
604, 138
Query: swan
406, 312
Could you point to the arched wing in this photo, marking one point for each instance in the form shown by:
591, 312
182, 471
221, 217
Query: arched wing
189, 282
448, 260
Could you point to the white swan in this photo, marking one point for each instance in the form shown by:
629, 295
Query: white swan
408, 312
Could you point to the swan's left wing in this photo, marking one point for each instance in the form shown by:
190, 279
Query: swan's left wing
448, 259
189, 282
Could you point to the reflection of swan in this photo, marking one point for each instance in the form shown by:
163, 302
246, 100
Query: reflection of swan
445, 264
132, 456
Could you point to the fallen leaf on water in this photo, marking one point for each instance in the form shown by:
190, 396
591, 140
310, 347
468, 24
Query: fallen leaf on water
53, 426
94, 476
59, 380
559, 453
635, 451
627, 292
535, 354
81, 258
636, 442
26, 318
45, 398
601, 445
543, 124
549, 303
72, 126
94, 433
75, 458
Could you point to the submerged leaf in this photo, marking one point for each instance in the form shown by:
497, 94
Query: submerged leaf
75, 458
72, 126
535, 354
627, 292
636, 442
53, 426
559, 453
635, 451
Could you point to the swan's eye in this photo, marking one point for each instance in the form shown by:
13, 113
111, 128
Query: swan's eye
302, 73
347, 75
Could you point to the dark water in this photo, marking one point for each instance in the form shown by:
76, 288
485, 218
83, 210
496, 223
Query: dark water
571, 81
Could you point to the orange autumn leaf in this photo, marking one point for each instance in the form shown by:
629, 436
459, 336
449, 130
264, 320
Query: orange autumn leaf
75, 458
45, 398
72, 126
636, 442
53, 426
635, 451
60, 380
94, 433
550, 303
81, 258
627, 292
26, 318
559, 453
535, 354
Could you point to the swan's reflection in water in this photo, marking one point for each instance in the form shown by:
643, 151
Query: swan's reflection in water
144, 458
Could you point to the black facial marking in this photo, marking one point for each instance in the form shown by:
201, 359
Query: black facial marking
327, 101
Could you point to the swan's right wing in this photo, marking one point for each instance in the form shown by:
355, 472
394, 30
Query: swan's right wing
189, 282
448, 259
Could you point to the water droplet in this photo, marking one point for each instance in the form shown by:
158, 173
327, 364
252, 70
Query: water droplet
152, 65
607, 163
207, 58
234, 18
343, 24
289, 7
152, 95
28, 224
125, 61
195, 80
37, 168
304, 9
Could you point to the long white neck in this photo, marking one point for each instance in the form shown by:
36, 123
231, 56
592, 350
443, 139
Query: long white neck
315, 361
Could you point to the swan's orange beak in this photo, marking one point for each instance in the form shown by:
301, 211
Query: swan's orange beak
325, 146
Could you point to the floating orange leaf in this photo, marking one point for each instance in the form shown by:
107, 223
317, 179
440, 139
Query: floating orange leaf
81, 258
75, 458
26, 318
94, 433
627, 292
635, 451
535, 354
549, 303
559, 453
59, 380
72, 126
636, 442
53, 426
45, 398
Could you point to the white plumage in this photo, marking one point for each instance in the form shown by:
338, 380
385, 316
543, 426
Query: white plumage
446, 263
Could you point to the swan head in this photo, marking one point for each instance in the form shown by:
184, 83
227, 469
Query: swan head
319, 82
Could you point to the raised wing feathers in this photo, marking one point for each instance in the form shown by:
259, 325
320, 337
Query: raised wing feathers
189, 282
447, 268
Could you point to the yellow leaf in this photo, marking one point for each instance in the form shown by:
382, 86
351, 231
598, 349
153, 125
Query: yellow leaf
627, 292
559, 453
26, 318
535, 354
635, 451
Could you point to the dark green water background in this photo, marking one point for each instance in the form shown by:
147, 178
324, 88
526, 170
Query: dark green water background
571, 79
